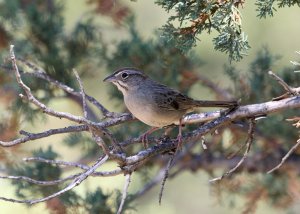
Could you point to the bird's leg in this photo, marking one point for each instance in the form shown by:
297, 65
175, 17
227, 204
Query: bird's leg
179, 136
145, 136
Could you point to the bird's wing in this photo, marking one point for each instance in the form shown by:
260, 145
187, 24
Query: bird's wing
170, 99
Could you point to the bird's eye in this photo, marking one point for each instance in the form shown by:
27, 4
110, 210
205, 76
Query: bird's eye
124, 75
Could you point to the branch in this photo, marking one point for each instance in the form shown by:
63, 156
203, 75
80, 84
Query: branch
41, 74
248, 111
51, 112
249, 142
82, 93
289, 90
282, 83
165, 177
125, 191
76, 181
38, 182
56, 162
31, 136
285, 157
163, 174
37, 103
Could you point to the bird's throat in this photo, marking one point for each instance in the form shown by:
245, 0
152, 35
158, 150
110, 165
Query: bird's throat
121, 86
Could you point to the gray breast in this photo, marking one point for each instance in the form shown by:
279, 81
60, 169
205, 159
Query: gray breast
143, 106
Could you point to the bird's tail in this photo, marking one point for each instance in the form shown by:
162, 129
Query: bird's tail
224, 104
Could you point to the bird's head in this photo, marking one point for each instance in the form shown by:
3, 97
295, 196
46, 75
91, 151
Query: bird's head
126, 79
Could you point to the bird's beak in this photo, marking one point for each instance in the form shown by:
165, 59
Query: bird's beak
110, 78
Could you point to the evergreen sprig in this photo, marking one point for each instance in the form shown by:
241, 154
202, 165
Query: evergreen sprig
190, 19
193, 18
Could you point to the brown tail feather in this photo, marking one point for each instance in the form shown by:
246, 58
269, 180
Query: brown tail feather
225, 104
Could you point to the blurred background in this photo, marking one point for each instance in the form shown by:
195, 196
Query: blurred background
98, 36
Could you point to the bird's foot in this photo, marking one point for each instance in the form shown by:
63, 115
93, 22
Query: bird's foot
144, 137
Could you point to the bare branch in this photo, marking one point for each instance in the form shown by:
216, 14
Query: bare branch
51, 112
112, 139
125, 191
37, 182
282, 83
285, 157
84, 105
288, 154
62, 180
201, 117
109, 173
35, 136
56, 162
77, 180
40, 73
40, 105
249, 142
165, 177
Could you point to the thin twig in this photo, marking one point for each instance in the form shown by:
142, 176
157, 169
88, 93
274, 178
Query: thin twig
84, 105
162, 172
30, 97
108, 173
249, 142
83, 97
100, 142
38, 182
40, 73
166, 175
35, 136
113, 155
285, 157
113, 140
233, 154
125, 191
282, 83
62, 180
76, 181
37, 103
56, 162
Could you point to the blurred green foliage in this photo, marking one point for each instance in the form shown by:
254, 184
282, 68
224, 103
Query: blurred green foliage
37, 30
38, 171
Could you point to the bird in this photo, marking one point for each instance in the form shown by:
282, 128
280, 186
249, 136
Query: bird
155, 104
